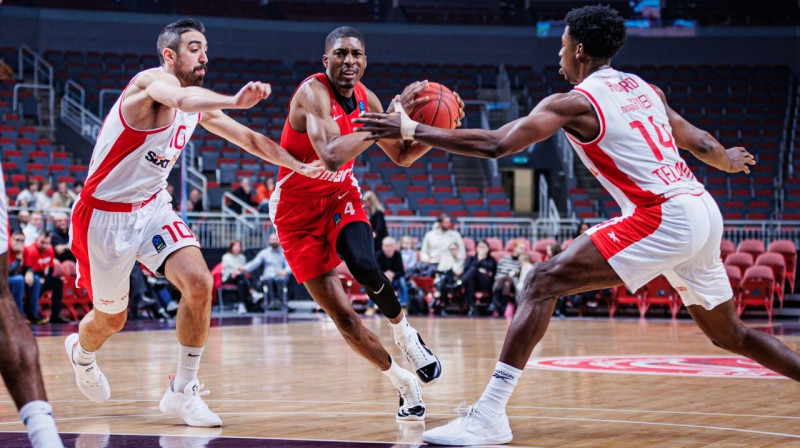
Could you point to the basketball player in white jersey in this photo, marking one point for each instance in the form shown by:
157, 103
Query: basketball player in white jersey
628, 136
124, 214
19, 354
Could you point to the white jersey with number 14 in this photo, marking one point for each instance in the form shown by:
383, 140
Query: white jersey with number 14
634, 156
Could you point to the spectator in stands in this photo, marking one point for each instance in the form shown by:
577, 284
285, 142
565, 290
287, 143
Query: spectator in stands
479, 272
27, 197
507, 275
41, 258
436, 242
23, 218
409, 255
23, 282
244, 193
391, 263
175, 199
6, 72
43, 199
263, 192
526, 264
376, 219
194, 203
448, 273
63, 197
60, 237
77, 187
582, 228
33, 228
274, 275
141, 296
233, 263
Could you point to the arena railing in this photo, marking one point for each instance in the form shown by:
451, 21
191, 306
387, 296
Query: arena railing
216, 229
75, 114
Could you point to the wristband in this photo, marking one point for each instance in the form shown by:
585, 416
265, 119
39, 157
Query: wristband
408, 127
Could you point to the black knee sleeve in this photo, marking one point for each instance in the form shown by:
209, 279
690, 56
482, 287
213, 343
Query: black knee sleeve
355, 246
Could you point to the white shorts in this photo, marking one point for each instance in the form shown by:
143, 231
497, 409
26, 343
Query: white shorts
679, 238
106, 245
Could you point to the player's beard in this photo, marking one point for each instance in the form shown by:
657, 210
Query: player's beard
192, 78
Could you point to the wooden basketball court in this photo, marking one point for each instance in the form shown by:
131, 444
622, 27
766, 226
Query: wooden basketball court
297, 383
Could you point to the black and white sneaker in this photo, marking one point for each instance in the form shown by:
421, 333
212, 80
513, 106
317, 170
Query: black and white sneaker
425, 364
412, 408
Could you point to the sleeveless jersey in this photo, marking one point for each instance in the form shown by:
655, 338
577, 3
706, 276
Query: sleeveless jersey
634, 156
299, 145
129, 165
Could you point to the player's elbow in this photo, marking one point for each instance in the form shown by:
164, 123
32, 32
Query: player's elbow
331, 162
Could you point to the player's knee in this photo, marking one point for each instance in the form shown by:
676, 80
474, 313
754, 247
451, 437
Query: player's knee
113, 323
729, 338
350, 327
366, 272
199, 285
542, 282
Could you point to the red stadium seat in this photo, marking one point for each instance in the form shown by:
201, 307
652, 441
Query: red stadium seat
788, 249
758, 287
752, 246
658, 291
621, 296
777, 263
742, 260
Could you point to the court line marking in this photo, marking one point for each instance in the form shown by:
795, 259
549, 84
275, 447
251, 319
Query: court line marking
454, 405
577, 419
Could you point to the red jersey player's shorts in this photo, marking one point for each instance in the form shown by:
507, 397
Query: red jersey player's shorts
308, 228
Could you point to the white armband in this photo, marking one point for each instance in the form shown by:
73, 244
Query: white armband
407, 126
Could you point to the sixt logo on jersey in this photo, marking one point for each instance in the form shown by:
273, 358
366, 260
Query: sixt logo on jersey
157, 160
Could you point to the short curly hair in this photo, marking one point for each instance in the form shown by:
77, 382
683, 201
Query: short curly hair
599, 28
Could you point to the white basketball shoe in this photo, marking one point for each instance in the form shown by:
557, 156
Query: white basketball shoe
91, 381
472, 427
426, 365
188, 405
412, 408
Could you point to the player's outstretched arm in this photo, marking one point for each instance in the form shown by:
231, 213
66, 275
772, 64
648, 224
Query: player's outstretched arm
704, 146
402, 152
165, 89
310, 112
254, 143
553, 113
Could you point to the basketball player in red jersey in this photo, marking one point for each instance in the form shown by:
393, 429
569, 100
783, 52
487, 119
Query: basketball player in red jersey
124, 213
19, 355
317, 218
624, 131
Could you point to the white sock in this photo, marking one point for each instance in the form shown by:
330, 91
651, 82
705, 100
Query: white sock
188, 365
81, 356
500, 387
396, 373
38, 419
401, 328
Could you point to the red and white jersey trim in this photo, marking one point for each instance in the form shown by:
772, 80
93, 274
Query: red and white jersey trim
130, 165
634, 155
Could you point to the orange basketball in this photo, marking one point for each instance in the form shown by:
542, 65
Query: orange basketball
441, 109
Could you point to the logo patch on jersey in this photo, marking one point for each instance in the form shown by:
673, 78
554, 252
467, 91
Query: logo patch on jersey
361, 106
703, 366
337, 218
159, 243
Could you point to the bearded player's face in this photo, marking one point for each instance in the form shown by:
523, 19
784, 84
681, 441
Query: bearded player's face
191, 59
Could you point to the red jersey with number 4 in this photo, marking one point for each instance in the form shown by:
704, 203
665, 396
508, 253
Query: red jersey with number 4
299, 145
635, 156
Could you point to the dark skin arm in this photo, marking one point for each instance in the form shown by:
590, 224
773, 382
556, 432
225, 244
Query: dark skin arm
310, 112
704, 146
570, 111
